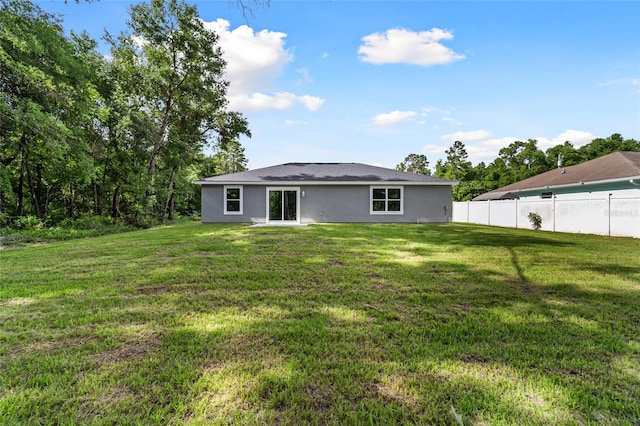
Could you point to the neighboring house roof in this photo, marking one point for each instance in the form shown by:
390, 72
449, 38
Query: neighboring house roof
323, 174
617, 166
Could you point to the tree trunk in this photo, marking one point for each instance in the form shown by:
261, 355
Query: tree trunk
32, 190
23, 168
47, 200
97, 210
71, 208
160, 140
167, 203
115, 205
172, 205
20, 189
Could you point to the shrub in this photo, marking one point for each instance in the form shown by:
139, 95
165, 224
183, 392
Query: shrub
536, 220
28, 223
5, 220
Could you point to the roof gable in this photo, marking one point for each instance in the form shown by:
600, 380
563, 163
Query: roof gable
326, 173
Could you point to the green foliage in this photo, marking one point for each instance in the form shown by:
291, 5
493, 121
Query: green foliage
415, 163
456, 166
28, 223
332, 324
535, 219
81, 135
229, 158
520, 160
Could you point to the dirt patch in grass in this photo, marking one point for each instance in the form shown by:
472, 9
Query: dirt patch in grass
463, 308
320, 396
17, 302
473, 358
153, 289
130, 351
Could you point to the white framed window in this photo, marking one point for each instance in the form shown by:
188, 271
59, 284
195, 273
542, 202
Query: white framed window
386, 200
233, 199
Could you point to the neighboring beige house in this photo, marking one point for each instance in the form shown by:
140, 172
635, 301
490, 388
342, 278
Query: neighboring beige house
616, 173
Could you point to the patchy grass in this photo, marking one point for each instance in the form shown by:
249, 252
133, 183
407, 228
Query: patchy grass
326, 324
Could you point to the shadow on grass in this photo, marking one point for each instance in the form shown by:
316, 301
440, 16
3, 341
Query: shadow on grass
327, 325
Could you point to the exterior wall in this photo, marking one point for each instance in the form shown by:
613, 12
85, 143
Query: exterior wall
253, 205
333, 203
614, 213
342, 203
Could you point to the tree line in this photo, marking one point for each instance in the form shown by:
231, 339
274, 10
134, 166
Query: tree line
518, 161
123, 136
120, 136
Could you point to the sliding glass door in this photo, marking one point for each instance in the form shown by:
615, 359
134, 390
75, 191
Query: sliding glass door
282, 205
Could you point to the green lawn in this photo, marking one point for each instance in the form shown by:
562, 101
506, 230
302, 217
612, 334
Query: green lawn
326, 324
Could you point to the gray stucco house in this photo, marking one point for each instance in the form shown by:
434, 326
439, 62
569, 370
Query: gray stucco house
299, 193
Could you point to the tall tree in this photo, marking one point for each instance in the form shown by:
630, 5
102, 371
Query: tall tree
603, 146
563, 155
46, 105
456, 166
523, 160
174, 69
230, 159
415, 163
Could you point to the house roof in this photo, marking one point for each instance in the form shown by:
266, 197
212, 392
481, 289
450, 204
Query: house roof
617, 166
324, 173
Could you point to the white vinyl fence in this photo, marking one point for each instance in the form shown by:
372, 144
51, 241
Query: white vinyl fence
611, 215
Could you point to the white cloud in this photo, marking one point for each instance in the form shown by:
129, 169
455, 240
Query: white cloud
432, 149
452, 120
278, 101
404, 46
305, 76
312, 103
324, 55
139, 42
393, 117
486, 148
473, 135
261, 102
294, 122
576, 137
620, 82
254, 60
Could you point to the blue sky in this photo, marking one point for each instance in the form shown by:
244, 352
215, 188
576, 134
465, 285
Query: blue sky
370, 82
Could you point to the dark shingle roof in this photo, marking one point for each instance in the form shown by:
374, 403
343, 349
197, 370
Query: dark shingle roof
324, 173
615, 166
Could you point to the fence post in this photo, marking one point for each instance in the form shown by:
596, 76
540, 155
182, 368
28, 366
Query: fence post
609, 215
468, 206
554, 213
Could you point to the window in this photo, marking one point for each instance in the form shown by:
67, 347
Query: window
386, 200
546, 195
232, 200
